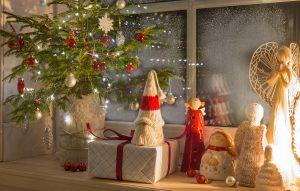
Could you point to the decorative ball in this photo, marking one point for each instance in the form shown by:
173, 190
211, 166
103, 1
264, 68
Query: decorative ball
11, 44
130, 68
31, 61
120, 38
191, 173
43, 2
67, 166
21, 43
140, 37
70, 80
21, 85
121, 4
81, 167
170, 99
98, 66
73, 167
230, 181
134, 106
38, 114
201, 179
71, 41
105, 40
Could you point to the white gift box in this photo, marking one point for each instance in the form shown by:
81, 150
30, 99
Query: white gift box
139, 164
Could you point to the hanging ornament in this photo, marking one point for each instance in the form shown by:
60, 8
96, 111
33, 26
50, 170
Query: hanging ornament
71, 41
38, 114
21, 43
70, 80
104, 40
106, 23
134, 106
120, 38
129, 68
231, 181
201, 179
121, 4
81, 166
98, 66
140, 37
48, 138
11, 44
21, 85
170, 98
31, 61
191, 173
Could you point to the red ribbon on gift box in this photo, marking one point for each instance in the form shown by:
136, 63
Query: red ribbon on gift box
120, 148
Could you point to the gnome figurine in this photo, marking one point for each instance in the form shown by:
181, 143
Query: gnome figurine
149, 122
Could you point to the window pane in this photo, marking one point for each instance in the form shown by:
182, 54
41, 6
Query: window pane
226, 39
172, 55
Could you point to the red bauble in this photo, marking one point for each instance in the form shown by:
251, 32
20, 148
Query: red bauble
21, 43
73, 167
98, 66
21, 85
129, 68
201, 179
67, 166
31, 61
11, 44
71, 41
140, 37
104, 40
81, 166
191, 173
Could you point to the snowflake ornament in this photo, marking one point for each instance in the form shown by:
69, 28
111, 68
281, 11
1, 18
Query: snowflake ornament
106, 24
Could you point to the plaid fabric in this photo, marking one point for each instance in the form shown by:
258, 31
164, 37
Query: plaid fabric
140, 164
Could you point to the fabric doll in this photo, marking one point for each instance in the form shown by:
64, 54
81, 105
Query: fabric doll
250, 142
149, 121
269, 177
195, 131
218, 160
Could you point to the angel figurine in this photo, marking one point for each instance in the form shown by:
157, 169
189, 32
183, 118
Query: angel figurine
274, 73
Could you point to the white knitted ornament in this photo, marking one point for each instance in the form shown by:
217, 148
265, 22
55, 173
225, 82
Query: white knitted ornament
149, 121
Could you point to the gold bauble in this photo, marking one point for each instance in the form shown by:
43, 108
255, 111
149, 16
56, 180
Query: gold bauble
170, 99
134, 106
230, 181
70, 80
38, 114
121, 4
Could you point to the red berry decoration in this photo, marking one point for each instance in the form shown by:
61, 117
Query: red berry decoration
81, 166
11, 44
98, 66
191, 173
73, 167
21, 43
21, 85
104, 40
67, 166
31, 61
71, 41
140, 37
201, 179
130, 68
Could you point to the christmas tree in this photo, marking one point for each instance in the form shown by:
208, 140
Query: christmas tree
77, 52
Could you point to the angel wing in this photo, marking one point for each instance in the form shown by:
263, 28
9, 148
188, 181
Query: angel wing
263, 63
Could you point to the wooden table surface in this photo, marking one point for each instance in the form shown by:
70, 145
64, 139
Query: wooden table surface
43, 173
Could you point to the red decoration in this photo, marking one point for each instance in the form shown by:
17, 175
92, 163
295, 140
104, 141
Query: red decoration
201, 179
67, 166
71, 41
98, 66
150, 103
21, 85
194, 142
130, 68
104, 40
21, 43
81, 166
73, 167
11, 44
31, 61
140, 37
191, 173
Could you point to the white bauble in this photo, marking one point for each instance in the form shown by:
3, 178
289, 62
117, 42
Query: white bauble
38, 114
134, 106
120, 38
70, 80
230, 181
170, 99
120, 4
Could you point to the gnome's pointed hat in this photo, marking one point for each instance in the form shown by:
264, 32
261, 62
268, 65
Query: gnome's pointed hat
152, 93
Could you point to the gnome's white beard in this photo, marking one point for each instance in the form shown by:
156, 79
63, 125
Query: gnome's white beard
149, 130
